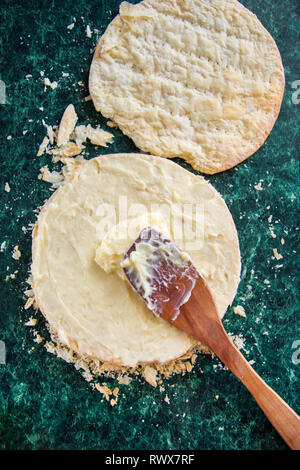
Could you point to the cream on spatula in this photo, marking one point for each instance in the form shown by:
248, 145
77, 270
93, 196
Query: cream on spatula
174, 290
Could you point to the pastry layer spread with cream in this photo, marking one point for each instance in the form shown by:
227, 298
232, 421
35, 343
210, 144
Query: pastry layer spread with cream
86, 227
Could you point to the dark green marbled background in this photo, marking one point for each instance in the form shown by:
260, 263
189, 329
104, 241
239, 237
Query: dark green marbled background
44, 402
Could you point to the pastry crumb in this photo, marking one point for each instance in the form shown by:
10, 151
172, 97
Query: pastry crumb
277, 255
239, 310
50, 84
31, 322
37, 337
124, 379
28, 304
150, 375
16, 253
104, 390
88, 32
67, 125
97, 136
54, 177
111, 124
70, 149
7, 187
258, 186
272, 232
43, 146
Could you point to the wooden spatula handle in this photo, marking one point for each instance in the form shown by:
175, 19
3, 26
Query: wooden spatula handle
283, 418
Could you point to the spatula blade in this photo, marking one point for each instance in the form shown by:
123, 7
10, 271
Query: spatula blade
160, 272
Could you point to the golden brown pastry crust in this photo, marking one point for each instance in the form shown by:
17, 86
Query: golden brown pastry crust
212, 103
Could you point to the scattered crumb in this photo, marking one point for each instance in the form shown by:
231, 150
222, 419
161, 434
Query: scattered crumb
70, 149
266, 282
124, 379
193, 358
2, 247
87, 376
238, 341
97, 136
150, 375
277, 255
28, 304
67, 151
54, 177
7, 188
50, 132
67, 125
258, 186
111, 124
167, 399
37, 338
29, 293
16, 253
272, 232
9, 137
88, 31
31, 322
71, 26
43, 146
47, 83
239, 310
104, 390
282, 241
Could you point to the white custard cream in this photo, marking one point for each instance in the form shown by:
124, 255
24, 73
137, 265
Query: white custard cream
83, 233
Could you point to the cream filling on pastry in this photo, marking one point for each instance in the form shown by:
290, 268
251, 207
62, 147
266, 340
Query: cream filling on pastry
83, 232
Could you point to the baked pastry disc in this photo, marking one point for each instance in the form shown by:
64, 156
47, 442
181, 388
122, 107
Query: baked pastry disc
83, 232
197, 79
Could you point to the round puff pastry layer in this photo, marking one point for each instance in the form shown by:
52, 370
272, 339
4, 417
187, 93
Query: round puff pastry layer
197, 79
75, 258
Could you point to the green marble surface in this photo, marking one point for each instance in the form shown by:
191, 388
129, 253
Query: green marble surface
44, 402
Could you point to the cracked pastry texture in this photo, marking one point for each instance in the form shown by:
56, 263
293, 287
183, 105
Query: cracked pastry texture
197, 79
93, 309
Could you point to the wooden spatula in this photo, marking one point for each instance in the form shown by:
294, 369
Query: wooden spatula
174, 290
